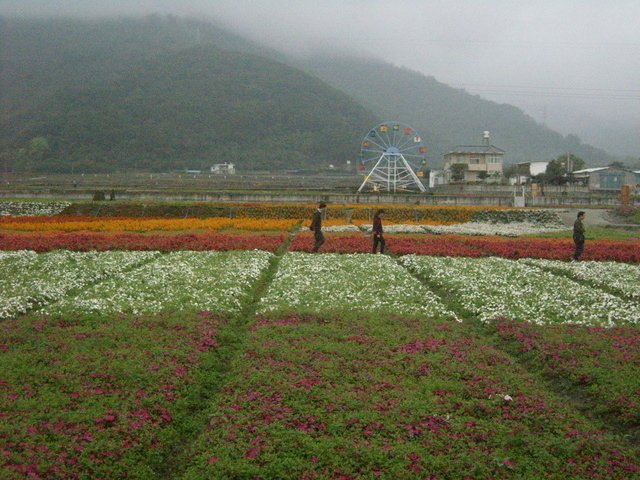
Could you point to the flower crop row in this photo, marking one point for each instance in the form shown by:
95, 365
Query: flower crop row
347, 284
179, 281
557, 248
494, 287
601, 363
437, 245
426, 214
30, 209
105, 224
620, 278
334, 243
44, 242
465, 246
98, 398
29, 279
392, 398
512, 229
470, 228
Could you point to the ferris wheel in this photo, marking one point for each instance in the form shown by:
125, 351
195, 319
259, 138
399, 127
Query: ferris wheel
389, 153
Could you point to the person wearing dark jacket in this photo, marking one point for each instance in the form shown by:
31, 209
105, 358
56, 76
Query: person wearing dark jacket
377, 231
316, 226
578, 236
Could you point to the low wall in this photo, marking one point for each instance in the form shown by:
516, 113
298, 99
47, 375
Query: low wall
563, 199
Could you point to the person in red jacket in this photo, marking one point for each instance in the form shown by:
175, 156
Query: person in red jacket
376, 234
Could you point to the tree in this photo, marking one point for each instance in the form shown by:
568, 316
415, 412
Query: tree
457, 171
571, 162
556, 173
510, 170
618, 164
482, 175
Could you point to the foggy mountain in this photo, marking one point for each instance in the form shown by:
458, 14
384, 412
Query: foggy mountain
445, 116
164, 93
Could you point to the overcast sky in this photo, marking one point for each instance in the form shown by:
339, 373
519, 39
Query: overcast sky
571, 64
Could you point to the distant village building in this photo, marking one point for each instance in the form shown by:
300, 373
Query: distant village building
436, 177
524, 171
605, 178
223, 169
474, 163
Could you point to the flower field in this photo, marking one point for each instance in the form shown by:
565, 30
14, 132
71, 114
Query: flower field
557, 249
30, 209
334, 243
600, 363
494, 287
329, 285
176, 348
201, 281
620, 278
337, 398
97, 224
30, 279
45, 242
507, 229
98, 398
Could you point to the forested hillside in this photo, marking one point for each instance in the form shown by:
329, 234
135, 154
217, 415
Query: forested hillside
163, 94
446, 116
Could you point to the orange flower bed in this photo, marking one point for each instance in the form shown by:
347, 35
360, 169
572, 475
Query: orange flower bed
109, 224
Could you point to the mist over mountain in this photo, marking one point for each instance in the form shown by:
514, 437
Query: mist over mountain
163, 93
444, 115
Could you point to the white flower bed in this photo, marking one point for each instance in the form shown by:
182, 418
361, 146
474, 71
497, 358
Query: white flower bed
495, 287
337, 228
213, 281
396, 228
332, 284
482, 228
620, 277
29, 279
513, 229
31, 209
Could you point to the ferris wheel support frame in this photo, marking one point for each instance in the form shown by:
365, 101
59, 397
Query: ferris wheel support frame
387, 172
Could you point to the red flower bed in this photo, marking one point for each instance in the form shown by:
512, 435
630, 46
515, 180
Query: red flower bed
393, 398
556, 248
333, 243
136, 241
98, 399
437, 245
585, 357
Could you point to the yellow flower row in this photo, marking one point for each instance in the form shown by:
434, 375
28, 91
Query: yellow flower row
105, 224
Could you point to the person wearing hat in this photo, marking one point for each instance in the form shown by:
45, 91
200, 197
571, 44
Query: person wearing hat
578, 237
316, 226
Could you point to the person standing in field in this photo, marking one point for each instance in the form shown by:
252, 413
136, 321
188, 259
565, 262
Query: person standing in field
377, 232
316, 226
578, 236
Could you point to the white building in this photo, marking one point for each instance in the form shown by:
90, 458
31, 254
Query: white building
223, 169
525, 170
472, 163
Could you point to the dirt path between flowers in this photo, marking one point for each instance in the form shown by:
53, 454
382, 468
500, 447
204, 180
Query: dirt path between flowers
579, 400
232, 346
597, 217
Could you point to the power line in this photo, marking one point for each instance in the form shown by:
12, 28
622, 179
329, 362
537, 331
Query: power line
532, 87
561, 92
